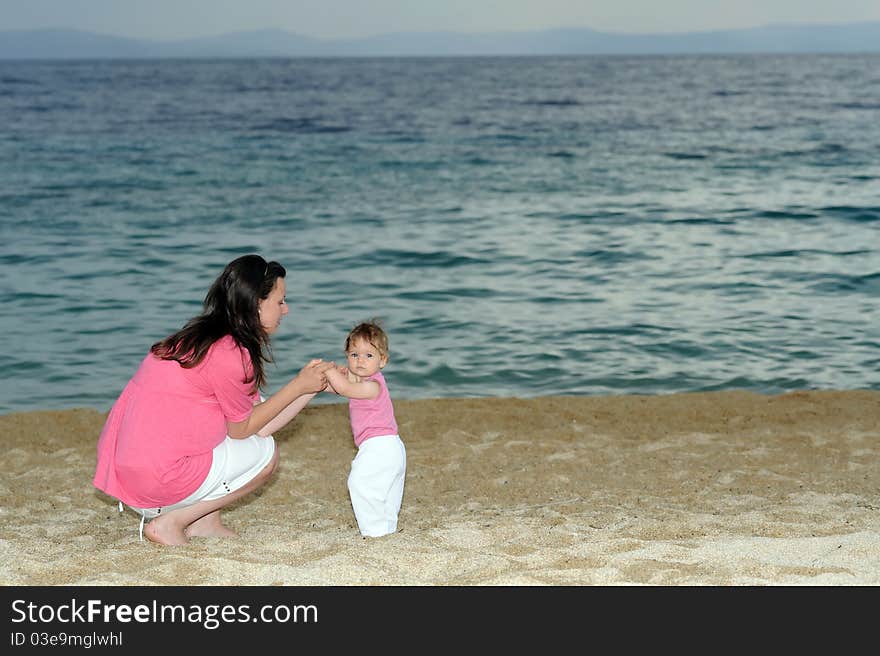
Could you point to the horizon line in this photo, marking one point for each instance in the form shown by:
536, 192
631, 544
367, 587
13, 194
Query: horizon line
416, 32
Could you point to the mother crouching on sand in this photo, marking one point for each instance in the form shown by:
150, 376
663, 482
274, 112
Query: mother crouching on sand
190, 434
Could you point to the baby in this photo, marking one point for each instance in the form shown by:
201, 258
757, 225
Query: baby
375, 483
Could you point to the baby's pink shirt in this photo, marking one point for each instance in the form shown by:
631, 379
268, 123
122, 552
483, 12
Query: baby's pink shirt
372, 417
156, 445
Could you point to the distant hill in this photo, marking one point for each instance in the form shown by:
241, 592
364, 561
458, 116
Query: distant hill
72, 44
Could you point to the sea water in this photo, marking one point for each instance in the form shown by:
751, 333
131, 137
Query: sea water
522, 226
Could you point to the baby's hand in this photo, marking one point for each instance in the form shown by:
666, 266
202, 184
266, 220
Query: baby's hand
345, 372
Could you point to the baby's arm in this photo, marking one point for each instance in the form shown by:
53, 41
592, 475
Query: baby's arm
345, 372
347, 384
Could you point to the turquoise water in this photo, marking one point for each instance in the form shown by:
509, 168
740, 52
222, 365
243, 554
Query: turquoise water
523, 226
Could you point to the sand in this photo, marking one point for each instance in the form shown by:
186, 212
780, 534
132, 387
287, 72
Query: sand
724, 489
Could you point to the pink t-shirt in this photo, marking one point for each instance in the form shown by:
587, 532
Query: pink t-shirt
372, 417
156, 446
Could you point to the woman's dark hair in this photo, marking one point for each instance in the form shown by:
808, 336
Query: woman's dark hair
231, 307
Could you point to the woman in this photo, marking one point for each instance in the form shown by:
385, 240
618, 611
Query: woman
190, 432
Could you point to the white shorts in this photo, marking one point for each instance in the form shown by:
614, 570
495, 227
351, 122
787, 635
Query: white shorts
236, 463
375, 484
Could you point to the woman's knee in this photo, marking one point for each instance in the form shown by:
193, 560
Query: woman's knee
264, 474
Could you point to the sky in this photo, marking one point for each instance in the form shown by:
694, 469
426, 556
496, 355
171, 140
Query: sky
332, 19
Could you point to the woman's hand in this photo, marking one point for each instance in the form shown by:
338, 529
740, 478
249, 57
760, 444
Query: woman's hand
312, 375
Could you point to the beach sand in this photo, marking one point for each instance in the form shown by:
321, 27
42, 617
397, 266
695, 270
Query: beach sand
726, 488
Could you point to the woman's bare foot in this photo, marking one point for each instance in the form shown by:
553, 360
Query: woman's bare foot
218, 532
209, 526
165, 532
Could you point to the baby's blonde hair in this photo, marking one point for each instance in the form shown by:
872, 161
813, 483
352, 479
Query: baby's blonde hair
371, 332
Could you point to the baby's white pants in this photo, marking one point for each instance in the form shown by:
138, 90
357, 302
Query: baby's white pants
375, 484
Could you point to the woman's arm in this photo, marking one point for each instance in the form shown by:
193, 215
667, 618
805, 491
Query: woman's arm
285, 416
310, 380
352, 386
